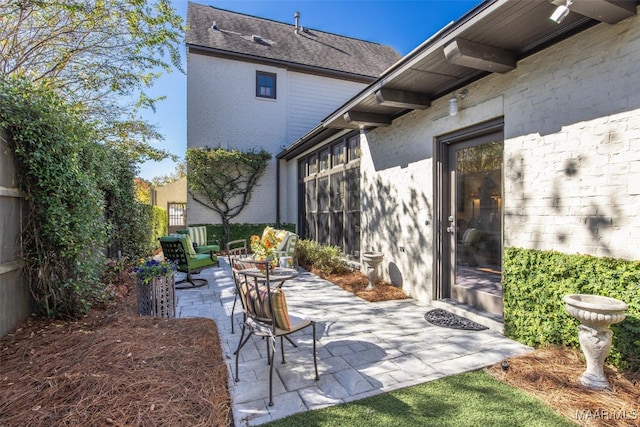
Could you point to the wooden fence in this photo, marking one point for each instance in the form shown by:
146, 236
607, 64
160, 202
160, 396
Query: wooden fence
15, 299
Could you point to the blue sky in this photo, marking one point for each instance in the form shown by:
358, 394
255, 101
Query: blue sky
401, 24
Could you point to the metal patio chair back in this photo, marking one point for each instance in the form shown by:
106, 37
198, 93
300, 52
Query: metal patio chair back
266, 315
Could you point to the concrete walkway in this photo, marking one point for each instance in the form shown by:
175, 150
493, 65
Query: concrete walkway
363, 348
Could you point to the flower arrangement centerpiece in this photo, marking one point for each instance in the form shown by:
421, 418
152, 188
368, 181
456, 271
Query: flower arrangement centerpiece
264, 247
147, 270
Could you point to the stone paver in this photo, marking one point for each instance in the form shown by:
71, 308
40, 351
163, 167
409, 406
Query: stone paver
363, 349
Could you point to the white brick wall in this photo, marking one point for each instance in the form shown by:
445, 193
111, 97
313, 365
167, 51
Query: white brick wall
222, 110
571, 154
572, 157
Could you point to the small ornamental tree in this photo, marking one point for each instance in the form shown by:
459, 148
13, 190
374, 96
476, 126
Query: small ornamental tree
223, 179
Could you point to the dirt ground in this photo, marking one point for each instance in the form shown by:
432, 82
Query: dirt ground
114, 368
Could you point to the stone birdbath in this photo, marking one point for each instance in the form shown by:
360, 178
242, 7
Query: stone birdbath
372, 259
595, 313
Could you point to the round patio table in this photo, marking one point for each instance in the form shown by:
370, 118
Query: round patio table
277, 275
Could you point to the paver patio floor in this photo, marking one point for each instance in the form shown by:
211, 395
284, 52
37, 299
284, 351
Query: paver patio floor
363, 348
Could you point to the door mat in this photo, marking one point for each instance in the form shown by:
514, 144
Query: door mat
440, 317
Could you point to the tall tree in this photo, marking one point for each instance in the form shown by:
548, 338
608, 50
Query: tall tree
104, 54
223, 180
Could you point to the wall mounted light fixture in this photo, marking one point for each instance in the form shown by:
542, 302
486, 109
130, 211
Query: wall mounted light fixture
453, 101
561, 12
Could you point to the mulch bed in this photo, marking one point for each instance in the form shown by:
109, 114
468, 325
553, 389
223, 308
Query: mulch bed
356, 282
114, 368
551, 375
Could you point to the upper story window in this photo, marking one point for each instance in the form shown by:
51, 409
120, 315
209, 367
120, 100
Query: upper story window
337, 154
324, 160
353, 148
265, 85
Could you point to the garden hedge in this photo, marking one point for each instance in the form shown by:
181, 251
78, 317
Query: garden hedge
239, 231
159, 225
535, 281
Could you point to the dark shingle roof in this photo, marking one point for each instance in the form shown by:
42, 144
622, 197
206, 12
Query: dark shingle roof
278, 41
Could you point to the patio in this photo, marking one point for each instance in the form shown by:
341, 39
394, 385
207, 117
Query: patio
364, 348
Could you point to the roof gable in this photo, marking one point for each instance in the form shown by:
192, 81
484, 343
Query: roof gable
269, 40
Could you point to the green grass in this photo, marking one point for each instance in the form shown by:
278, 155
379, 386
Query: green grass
469, 399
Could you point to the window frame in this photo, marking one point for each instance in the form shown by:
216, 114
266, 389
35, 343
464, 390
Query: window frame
273, 76
332, 221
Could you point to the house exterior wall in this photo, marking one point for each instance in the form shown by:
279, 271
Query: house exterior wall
175, 192
312, 98
223, 110
572, 172
571, 157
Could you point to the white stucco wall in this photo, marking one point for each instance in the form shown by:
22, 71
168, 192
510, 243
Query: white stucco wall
222, 110
571, 157
175, 192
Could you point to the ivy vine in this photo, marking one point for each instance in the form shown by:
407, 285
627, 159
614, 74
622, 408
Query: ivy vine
78, 195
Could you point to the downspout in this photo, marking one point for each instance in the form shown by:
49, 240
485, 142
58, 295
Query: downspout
277, 192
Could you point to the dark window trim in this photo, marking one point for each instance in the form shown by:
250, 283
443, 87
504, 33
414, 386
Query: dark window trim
322, 218
258, 86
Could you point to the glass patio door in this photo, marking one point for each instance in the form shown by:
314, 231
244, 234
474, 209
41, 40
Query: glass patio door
474, 221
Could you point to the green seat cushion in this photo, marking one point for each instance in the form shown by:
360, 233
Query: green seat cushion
207, 249
201, 261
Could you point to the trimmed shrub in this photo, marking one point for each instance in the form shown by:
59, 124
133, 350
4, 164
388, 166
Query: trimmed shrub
535, 281
215, 232
159, 225
326, 259
80, 196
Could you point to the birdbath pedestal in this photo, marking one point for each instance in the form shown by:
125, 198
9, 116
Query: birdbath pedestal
595, 313
373, 259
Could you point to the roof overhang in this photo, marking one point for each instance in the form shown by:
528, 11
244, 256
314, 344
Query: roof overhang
307, 69
490, 38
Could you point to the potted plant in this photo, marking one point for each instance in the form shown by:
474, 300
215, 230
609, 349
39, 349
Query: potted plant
156, 281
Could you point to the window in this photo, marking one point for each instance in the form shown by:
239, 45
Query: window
337, 155
330, 190
324, 160
313, 164
177, 214
354, 148
265, 85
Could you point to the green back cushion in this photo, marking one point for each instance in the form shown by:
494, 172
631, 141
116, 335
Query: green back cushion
198, 235
188, 246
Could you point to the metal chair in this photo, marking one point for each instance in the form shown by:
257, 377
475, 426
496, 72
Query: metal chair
266, 315
236, 249
178, 248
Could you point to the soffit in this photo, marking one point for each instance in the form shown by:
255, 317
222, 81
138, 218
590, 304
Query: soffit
521, 27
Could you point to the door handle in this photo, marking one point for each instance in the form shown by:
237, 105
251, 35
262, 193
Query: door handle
451, 228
